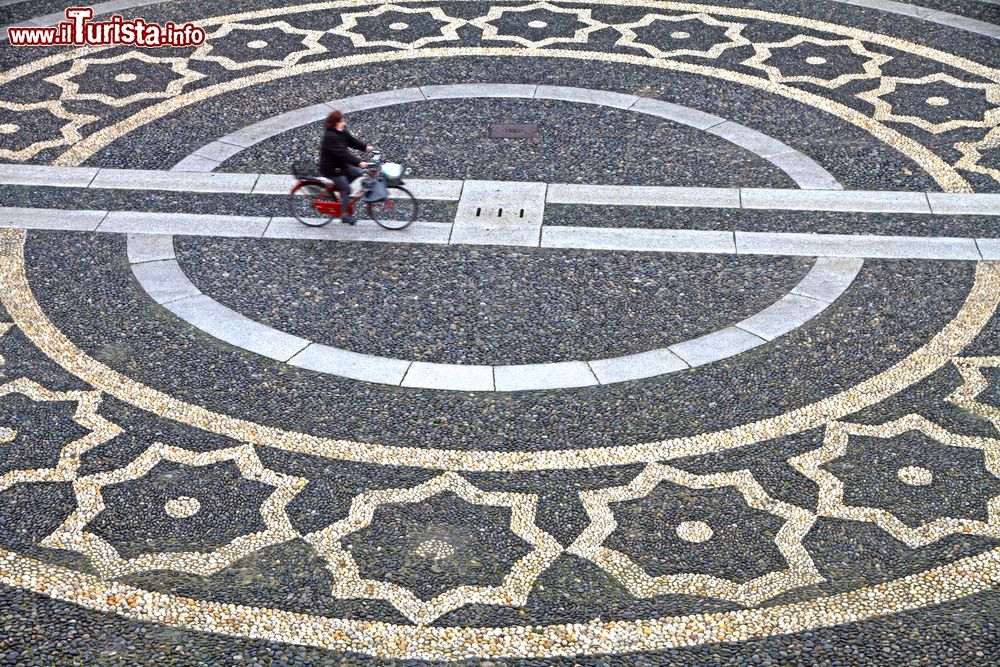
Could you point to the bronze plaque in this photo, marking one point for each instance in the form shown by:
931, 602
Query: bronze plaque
513, 131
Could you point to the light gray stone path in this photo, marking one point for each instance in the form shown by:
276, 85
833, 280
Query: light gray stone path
155, 267
848, 201
556, 237
806, 172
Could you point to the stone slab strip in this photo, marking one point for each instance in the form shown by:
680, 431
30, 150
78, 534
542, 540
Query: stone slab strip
847, 245
716, 346
353, 365
587, 96
434, 233
829, 278
231, 327
424, 375
44, 175
466, 90
850, 201
964, 204
641, 195
51, 218
787, 313
990, 248
184, 223
150, 248
858, 201
539, 377
637, 366
164, 280
641, 240
145, 179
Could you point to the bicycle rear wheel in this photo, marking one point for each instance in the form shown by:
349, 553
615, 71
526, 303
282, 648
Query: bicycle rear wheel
301, 203
397, 211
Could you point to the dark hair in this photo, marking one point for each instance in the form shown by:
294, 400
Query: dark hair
332, 119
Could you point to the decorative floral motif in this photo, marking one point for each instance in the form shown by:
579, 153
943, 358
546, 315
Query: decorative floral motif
310, 40
831, 488
72, 534
801, 570
733, 33
871, 67
885, 111
71, 88
972, 154
967, 395
348, 582
579, 36
70, 131
447, 32
100, 430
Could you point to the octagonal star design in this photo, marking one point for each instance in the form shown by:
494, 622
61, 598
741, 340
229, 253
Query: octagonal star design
310, 42
70, 131
448, 32
100, 430
967, 395
884, 110
972, 154
831, 489
348, 582
590, 544
71, 89
73, 535
872, 67
580, 36
734, 33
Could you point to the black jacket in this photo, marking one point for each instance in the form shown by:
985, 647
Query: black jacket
333, 153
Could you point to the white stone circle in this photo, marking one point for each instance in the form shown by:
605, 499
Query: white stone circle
182, 507
816, 60
399, 25
694, 531
938, 101
257, 44
915, 476
9, 128
537, 24
7, 434
126, 77
680, 34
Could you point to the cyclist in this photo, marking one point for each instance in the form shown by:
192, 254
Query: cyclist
337, 163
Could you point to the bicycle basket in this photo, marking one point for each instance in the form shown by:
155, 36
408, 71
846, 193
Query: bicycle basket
393, 173
305, 169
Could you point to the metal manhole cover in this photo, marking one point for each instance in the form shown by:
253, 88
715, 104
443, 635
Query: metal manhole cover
513, 130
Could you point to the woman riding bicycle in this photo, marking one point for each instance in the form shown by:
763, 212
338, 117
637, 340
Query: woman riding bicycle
337, 163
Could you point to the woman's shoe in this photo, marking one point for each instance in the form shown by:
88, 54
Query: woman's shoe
348, 219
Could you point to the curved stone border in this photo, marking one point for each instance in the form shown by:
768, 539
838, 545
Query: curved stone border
155, 266
806, 172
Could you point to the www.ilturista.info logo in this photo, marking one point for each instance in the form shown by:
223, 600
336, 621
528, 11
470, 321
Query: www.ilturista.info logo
79, 30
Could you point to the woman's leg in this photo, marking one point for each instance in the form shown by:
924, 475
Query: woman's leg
344, 190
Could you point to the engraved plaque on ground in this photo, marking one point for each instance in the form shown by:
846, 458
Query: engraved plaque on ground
513, 130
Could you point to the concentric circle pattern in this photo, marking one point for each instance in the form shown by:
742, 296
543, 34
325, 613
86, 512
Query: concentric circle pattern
787, 465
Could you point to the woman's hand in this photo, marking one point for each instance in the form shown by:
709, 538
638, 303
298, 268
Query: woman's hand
363, 165
369, 149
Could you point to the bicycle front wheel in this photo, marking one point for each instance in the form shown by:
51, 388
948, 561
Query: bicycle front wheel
302, 203
396, 211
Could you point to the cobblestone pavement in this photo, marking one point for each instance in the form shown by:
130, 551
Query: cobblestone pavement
739, 405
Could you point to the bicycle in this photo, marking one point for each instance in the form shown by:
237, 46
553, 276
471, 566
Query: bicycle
315, 201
